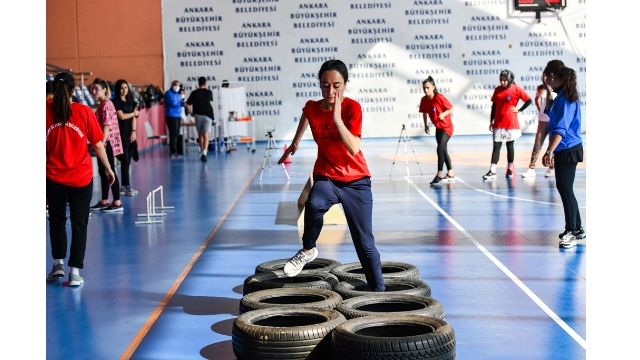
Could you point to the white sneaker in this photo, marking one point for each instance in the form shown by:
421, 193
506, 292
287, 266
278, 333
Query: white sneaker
568, 241
297, 263
549, 173
530, 173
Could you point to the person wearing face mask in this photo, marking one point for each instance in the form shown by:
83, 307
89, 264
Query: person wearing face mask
504, 120
173, 104
340, 173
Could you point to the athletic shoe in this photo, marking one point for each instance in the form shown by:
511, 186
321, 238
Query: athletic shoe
530, 173
75, 280
128, 191
113, 208
490, 175
509, 174
99, 206
57, 272
568, 241
203, 158
549, 173
580, 234
436, 180
297, 263
448, 178
122, 190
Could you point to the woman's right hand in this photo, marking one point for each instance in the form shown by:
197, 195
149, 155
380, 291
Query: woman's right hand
491, 126
291, 150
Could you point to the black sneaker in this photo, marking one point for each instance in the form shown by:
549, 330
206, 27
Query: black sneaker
113, 208
580, 234
509, 174
490, 175
436, 180
99, 206
203, 158
448, 178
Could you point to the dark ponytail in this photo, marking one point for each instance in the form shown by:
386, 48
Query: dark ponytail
432, 82
63, 85
568, 76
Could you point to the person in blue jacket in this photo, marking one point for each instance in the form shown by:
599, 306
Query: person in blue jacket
173, 104
565, 145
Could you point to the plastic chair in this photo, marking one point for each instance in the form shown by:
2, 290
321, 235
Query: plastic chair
151, 136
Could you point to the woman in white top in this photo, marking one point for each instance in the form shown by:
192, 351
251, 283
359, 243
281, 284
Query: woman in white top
543, 100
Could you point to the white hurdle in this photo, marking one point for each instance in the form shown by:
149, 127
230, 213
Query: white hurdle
151, 207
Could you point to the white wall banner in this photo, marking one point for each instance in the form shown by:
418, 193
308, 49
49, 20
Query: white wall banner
275, 48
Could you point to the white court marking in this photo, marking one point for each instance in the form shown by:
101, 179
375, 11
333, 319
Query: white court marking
504, 269
510, 197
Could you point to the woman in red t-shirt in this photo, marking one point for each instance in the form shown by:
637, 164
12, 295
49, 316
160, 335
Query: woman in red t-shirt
340, 173
69, 172
504, 120
439, 110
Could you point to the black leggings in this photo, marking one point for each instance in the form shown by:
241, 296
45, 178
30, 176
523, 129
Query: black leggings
495, 156
174, 129
442, 138
104, 181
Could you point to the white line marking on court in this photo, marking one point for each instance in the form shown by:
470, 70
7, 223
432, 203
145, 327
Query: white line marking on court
511, 197
504, 269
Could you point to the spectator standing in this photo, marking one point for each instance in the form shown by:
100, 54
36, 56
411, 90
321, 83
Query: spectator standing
127, 111
504, 121
340, 173
69, 175
565, 149
438, 108
173, 105
544, 98
200, 101
108, 120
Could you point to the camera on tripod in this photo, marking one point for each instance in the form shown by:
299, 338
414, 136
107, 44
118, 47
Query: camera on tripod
270, 132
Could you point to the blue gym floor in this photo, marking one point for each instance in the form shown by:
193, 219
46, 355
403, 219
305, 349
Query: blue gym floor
171, 290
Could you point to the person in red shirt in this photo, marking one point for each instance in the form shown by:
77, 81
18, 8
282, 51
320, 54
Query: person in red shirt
340, 173
69, 172
438, 108
504, 120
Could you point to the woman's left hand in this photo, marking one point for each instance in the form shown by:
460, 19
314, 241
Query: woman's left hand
547, 160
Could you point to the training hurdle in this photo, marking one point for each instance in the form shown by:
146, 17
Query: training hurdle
151, 207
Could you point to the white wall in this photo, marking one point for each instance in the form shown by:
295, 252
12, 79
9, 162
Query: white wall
277, 47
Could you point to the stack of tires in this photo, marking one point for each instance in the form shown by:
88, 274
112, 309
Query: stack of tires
328, 312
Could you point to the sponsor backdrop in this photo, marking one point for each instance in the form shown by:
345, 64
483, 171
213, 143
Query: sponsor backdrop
275, 49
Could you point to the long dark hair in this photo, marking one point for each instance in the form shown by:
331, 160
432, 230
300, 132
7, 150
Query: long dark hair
63, 85
103, 84
432, 82
128, 97
568, 76
336, 65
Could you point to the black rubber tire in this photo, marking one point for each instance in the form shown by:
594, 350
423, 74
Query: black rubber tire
390, 269
277, 280
318, 264
277, 333
391, 337
295, 298
391, 304
353, 288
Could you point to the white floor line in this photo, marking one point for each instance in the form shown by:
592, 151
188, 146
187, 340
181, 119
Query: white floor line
511, 197
504, 269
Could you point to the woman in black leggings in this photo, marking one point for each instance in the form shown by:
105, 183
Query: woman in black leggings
439, 110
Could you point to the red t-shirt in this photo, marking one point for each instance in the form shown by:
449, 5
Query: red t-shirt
334, 160
68, 159
505, 99
434, 107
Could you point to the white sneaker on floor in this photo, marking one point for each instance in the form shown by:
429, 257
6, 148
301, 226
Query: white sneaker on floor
549, 173
297, 263
568, 241
530, 173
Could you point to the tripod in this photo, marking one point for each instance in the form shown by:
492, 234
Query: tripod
271, 145
405, 139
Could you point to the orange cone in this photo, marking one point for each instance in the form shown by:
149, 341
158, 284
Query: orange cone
288, 159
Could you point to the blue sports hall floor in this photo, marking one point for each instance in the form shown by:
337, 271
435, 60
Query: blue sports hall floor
487, 248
